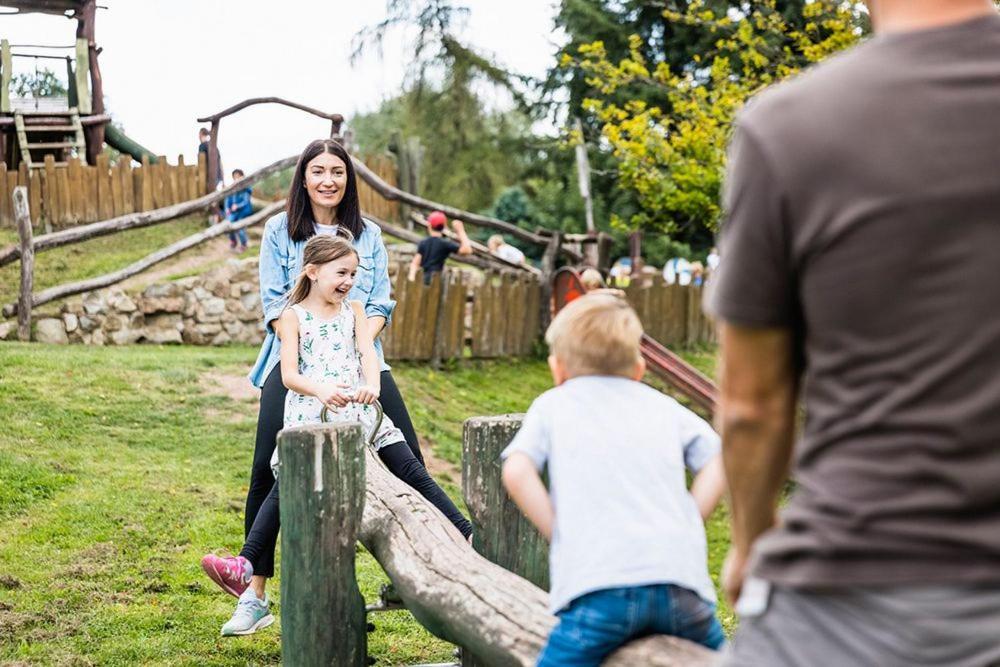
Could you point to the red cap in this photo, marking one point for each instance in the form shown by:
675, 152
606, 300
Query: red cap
437, 220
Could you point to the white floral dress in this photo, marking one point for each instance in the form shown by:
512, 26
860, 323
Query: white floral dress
327, 353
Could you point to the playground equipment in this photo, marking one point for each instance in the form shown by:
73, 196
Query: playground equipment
335, 491
663, 363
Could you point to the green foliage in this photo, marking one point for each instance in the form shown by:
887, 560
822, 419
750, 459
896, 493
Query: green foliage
671, 155
42, 83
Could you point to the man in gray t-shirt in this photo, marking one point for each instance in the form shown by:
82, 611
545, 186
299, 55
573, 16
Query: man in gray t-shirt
860, 268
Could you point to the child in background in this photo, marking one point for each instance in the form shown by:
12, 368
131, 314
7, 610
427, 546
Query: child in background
433, 251
238, 206
327, 359
628, 555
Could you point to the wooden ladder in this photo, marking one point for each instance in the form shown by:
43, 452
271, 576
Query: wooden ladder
71, 129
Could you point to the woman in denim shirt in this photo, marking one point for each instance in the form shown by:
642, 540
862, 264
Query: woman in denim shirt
323, 198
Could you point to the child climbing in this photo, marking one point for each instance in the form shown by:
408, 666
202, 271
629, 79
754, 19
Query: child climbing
628, 554
327, 360
238, 205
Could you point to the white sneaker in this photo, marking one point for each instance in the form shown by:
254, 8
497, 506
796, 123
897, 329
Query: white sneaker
252, 614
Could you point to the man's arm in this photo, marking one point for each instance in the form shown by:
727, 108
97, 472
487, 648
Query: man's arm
525, 487
756, 418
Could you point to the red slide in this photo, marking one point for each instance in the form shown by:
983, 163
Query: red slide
660, 361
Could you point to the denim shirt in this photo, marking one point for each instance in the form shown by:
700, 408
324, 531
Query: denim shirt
280, 265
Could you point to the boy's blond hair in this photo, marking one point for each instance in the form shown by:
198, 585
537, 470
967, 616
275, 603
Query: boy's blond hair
596, 334
592, 279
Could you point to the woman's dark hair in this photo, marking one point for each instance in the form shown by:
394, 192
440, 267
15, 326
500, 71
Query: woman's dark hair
299, 209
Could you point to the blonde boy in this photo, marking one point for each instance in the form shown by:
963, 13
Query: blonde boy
628, 555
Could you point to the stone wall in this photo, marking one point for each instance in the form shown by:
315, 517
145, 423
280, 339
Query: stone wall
221, 306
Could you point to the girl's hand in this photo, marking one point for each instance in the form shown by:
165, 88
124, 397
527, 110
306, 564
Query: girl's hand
366, 394
334, 395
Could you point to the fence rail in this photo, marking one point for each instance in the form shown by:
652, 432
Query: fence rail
64, 196
671, 314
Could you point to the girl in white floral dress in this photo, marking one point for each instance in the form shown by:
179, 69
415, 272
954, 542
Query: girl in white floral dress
327, 359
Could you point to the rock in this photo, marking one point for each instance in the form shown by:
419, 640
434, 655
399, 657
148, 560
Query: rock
122, 302
214, 306
222, 338
217, 286
8, 330
201, 294
51, 330
168, 304
71, 321
137, 320
163, 336
165, 321
89, 323
94, 303
233, 328
187, 284
250, 301
190, 304
235, 291
98, 337
125, 336
209, 329
114, 323
161, 291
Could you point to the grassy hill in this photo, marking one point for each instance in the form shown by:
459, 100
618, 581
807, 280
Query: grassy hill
123, 466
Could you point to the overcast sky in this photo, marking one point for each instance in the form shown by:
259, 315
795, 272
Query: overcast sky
165, 64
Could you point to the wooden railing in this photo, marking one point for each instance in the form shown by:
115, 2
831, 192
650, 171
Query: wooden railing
63, 196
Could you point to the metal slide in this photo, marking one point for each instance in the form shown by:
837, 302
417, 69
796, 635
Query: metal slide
660, 361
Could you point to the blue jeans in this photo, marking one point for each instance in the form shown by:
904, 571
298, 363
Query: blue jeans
595, 624
240, 234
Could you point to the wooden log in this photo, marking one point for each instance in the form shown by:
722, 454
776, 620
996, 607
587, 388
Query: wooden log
463, 598
549, 258
69, 289
144, 219
23, 217
34, 180
322, 473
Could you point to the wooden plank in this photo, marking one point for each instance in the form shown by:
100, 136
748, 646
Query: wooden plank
105, 199
65, 204
90, 190
35, 197
6, 201
82, 75
24, 302
175, 194
6, 74
146, 181
117, 196
74, 177
323, 493
182, 181
127, 187
202, 170
50, 194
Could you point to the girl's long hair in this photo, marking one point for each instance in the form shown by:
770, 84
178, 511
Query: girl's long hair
319, 250
299, 208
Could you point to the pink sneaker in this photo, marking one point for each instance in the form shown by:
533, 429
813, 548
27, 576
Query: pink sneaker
232, 574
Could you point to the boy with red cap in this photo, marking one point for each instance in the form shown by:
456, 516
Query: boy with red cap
435, 249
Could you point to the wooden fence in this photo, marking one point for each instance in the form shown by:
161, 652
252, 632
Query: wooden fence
501, 316
671, 314
64, 196
372, 202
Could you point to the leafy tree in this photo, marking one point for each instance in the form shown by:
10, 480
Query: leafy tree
41, 83
671, 154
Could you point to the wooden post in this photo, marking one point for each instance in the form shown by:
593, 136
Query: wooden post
85, 30
211, 182
549, 258
501, 534
322, 475
6, 74
23, 217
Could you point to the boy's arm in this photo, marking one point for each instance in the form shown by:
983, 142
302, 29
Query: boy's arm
414, 265
370, 368
464, 244
708, 486
525, 487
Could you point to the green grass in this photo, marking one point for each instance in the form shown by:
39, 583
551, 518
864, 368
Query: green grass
94, 257
120, 470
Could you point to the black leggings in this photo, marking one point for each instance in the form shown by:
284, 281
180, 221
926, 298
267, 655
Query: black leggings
271, 420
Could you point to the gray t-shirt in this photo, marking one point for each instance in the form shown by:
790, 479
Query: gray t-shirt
616, 451
863, 208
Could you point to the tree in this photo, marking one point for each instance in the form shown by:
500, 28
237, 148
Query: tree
670, 154
40, 83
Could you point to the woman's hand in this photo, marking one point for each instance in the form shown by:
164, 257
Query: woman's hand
366, 394
333, 395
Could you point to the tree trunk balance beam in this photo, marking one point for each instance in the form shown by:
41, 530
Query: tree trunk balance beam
454, 592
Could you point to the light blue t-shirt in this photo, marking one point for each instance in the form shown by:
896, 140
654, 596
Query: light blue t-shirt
616, 451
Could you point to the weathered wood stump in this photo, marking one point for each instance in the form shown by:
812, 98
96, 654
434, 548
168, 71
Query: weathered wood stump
322, 495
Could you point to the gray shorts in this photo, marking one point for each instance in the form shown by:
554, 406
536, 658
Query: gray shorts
898, 626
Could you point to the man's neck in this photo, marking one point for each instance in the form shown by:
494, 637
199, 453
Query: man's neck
895, 16
436, 234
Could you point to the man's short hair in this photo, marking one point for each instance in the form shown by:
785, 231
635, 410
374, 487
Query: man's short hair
203, 132
238, 171
597, 334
